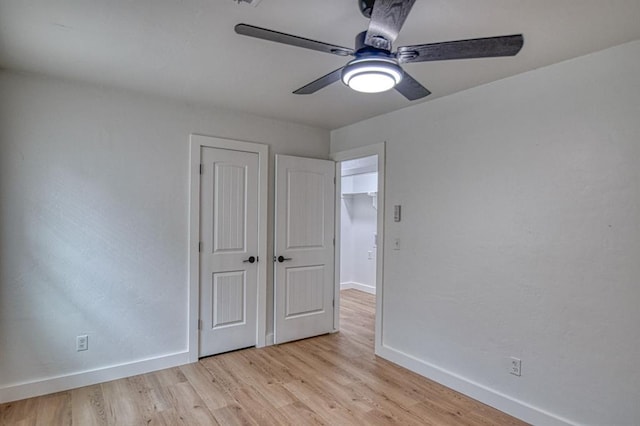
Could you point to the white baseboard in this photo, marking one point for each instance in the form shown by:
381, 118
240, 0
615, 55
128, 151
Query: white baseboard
491, 397
358, 286
91, 377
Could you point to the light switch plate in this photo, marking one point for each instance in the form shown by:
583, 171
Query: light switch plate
397, 213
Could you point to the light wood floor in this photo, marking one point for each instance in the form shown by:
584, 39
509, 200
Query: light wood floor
331, 380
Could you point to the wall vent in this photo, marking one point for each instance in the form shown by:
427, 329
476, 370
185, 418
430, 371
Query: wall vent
253, 3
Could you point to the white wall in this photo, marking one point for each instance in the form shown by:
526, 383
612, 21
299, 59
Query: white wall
346, 245
94, 225
520, 237
357, 229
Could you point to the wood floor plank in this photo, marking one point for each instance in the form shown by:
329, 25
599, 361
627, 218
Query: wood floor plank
276, 395
270, 366
19, 412
188, 405
356, 401
213, 394
325, 405
233, 415
54, 409
299, 414
164, 418
258, 407
334, 379
305, 361
88, 406
121, 403
385, 417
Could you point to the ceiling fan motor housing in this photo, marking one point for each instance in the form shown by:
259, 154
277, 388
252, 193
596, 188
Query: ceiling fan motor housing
360, 45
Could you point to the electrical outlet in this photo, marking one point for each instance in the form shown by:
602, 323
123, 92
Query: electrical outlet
370, 255
396, 243
515, 366
82, 343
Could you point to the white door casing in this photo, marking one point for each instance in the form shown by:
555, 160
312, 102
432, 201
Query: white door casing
304, 248
231, 307
366, 151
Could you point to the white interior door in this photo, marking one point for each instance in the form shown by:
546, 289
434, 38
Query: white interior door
229, 249
304, 248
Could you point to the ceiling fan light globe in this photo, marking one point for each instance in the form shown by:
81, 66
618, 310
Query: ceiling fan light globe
372, 82
372, 75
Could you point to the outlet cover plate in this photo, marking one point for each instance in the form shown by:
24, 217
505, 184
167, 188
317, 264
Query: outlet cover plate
515, 366
82, 343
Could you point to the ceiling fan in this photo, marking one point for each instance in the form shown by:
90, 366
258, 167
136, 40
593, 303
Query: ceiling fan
375, 67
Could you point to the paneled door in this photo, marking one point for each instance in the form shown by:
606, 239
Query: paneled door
229, 249
304, 248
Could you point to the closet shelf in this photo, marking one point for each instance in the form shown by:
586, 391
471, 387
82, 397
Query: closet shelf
352, 194
373, 195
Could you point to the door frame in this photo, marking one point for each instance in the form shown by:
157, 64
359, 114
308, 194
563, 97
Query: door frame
196, 143
352, 154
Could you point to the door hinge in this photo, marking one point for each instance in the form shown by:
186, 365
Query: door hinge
199, 324
199, 246
333, 303
334, 242
201, 168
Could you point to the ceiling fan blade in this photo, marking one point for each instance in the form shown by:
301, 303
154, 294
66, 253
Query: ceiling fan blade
411, 89
387, 19
278, 37
320, 83
462, 49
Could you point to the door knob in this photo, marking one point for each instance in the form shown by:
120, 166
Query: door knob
282, 259
251, 259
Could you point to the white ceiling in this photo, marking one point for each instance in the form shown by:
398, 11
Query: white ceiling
188, 50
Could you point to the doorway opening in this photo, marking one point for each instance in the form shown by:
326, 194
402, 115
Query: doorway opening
359, 242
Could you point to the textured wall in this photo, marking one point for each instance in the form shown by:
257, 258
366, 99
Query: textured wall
94, 220
520, 235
